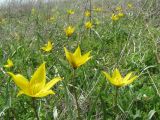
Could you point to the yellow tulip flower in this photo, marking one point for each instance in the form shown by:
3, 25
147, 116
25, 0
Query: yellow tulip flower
129, 5
47, 47
97, 9
37, 86
97, 22
115, 17
51, 19
69, 31
87, 13
76, 59
70, 12
120, 14
33, 11
117, 80
9, 63
88, 25
119, 8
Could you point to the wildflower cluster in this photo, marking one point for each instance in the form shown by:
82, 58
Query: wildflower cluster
70, 63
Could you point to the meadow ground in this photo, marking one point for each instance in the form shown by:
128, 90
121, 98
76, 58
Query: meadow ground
123, 35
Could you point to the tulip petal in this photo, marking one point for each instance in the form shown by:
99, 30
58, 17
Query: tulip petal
116, 74
49, 44
117, 79
43, 48
20, 93
51, 83
20, 81
44, 93
7, 66
107, 75
111, 80
9, 63
39, 77
127, 76
35, 88
70, 58
86, 56
76, 59
47, 47
77, 52
84, 59
68, 55
131, 80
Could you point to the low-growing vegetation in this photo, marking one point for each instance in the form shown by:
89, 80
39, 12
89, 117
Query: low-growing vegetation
80, 60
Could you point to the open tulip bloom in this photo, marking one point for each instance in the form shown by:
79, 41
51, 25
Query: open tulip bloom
9, 63
69, 31
88, 25
37, 86
117, 80
70, 12
47, 47
76, 59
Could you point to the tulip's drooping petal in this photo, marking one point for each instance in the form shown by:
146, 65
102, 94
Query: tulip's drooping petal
20, 81
51, 83
126, 78
84, 59
131, 80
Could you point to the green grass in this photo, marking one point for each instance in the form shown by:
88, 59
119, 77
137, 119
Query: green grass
129, 44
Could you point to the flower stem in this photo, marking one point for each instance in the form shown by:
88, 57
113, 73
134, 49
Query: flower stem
35, 108
76, 97
116, 97
90, 9
68, 17
78, 108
